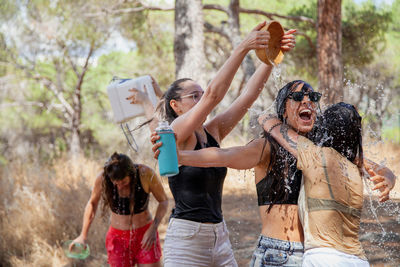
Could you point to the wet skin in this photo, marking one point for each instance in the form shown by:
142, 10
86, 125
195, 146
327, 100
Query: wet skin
282, 221
126, 222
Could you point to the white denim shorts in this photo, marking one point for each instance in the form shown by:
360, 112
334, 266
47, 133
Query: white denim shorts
329, 257
189, 243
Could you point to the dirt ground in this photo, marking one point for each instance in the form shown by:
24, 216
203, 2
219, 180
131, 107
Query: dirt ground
380, 238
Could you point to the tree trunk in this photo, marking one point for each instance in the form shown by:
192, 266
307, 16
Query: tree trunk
234, 33
189, 41
330, 67
75, 145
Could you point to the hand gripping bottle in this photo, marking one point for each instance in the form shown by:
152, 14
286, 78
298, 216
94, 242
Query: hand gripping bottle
167, 159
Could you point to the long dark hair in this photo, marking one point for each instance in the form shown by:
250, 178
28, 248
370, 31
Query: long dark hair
173, 92
340, 128
117, 167
282, 165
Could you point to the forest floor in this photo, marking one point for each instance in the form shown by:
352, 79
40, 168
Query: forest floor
380, 237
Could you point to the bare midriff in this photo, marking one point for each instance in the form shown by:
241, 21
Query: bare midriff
127, 222
281, 222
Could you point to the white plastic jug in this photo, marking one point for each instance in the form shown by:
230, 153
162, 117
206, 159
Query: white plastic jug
118, 91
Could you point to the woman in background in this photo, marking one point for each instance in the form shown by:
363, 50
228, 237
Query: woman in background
125, 187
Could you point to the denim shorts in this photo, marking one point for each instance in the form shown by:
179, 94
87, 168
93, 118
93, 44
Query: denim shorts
276, 252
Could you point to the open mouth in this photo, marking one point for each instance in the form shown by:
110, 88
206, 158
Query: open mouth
305, 115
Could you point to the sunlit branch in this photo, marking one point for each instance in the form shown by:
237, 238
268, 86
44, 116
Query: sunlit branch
216, 7
66, 52
308, 38
211, 28
271, 15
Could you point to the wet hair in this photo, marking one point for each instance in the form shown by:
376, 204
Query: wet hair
164, 109
340, 128
117, 167
284, 92
282, 165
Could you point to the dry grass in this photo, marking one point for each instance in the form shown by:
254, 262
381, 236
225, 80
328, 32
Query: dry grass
41, 205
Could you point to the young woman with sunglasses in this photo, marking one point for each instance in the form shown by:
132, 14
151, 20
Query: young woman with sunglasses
276, 176
125, 187
331, 197
197, 234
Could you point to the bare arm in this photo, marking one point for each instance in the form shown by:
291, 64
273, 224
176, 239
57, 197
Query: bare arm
383, 178
90, 210
185, 125
156, 188
282, 133
227, 120
239, 157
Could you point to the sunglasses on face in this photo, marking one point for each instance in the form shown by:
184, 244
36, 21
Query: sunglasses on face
195, 95
299, 96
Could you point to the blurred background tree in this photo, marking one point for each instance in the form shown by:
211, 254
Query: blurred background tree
58, 57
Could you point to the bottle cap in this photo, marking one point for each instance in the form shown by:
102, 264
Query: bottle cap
273, 53
78, 251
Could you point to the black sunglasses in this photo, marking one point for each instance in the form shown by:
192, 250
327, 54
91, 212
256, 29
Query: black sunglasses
299, 96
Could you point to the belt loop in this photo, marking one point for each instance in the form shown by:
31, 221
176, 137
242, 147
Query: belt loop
171, 219
291, 248
259, 241
198, 227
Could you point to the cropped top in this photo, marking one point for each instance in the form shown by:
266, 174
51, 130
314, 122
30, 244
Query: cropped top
198, 191
282, 174
120, 205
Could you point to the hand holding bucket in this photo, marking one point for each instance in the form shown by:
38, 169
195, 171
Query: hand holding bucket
76, 250
273, 54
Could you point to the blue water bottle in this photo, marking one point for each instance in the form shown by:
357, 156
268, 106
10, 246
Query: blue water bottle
167, 159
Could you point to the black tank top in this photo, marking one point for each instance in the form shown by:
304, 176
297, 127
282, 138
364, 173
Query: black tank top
198, 191
291, 182
120, 205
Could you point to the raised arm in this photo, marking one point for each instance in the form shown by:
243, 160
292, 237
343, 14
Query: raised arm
185, 125
228, 119
239, 157
90, 211
156, 188
142, 98
281, 132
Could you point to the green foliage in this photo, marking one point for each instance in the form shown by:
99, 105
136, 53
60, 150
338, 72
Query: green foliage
3, 55
363, 36
8, 9
56, 37
395, 26
363, 32
392, 134
305, 53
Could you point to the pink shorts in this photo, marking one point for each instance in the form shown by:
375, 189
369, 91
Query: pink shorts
124, 247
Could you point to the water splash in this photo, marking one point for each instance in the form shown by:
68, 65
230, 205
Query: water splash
380, 228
